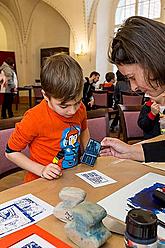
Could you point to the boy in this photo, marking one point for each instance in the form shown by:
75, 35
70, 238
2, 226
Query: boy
109, 81
149, 118
54, 128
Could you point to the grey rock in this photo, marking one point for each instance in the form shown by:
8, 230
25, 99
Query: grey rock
86, 229
70, 196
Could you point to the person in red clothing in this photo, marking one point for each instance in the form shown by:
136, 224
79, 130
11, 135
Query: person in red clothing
53, 129
149, 116
109, 81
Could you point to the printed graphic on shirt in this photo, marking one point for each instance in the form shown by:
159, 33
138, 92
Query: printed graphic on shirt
70, 146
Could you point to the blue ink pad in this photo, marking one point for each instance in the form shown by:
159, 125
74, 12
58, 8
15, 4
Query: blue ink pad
145, 199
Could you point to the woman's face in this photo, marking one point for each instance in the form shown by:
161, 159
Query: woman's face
136, 76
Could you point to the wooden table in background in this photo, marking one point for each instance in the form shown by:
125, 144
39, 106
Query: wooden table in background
123, 171
24, 88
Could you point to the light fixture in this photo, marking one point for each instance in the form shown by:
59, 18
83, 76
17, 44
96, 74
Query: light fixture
80, 51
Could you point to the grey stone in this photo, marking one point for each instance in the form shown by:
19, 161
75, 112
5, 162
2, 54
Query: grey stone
70, 196
86, 229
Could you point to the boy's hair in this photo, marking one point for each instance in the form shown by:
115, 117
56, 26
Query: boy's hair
62, 78
141, 40
109, 76
95, 73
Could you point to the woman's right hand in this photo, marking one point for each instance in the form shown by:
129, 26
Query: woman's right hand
117, 148
114, 147
51, 171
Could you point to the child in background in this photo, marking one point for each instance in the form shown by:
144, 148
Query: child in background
149, 118
54, 128
109, 81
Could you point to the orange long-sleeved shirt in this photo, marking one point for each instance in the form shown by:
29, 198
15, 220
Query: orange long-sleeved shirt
47, 133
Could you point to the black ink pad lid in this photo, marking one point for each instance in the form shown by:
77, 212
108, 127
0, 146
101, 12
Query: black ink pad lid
141, 226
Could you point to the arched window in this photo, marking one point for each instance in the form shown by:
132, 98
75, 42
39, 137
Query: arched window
147, 8
127, 8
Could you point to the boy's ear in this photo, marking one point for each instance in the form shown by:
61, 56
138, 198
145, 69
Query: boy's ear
44, 95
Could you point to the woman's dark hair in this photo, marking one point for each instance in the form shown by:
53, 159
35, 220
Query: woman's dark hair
141, 40
120, 76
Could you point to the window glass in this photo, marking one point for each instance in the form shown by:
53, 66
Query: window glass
147, 8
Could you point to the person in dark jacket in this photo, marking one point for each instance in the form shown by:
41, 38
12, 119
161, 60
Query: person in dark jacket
89, 87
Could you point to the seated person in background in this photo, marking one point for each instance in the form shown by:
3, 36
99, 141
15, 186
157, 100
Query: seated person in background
109, 81
122, 85
54, 128
89, 87
149, 116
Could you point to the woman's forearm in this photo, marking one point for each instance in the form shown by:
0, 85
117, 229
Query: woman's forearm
136, 152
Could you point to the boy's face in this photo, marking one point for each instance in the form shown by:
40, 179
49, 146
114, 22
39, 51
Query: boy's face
67, 109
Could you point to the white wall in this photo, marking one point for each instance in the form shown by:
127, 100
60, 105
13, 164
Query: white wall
49, 29
105, 29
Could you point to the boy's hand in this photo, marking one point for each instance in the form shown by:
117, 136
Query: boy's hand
155, 108
51, 171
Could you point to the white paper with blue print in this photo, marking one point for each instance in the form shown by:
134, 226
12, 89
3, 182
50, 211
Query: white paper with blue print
22, 212
33, 241
116, 204
95, 178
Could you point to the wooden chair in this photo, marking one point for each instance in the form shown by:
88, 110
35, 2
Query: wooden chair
9, 123
98, 123
131, 99
102, 101
6, 166
128, 122
37, 94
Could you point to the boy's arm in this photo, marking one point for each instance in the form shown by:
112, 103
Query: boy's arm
49, 172
25, 163
84, 137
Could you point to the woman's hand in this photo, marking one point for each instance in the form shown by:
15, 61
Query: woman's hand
114, 147
51, 171
117, 148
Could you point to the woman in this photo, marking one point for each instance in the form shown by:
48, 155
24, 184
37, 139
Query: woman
139, 53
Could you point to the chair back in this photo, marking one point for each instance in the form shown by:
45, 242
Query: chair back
131, 99
6, 166
100, 98
37, 94
98, 123
128, 121
9, 123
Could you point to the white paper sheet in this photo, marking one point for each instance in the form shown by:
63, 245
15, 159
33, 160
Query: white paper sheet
116, 203
33, 241
21, 212
95, 178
